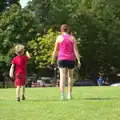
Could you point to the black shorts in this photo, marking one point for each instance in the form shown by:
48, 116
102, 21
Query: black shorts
70, 64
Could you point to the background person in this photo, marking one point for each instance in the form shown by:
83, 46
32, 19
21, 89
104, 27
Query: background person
2, 79
100, 80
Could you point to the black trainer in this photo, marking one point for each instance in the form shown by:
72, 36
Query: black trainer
18, 99
23, 97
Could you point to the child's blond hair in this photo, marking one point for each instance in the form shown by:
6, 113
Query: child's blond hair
19, 49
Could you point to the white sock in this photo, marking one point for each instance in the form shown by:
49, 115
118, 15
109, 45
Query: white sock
62, 94
70, 94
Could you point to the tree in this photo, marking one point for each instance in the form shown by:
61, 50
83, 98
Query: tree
3, 5
6, 3
15, 27
91, 20
10, 2
98, 28
95, 22
43, 47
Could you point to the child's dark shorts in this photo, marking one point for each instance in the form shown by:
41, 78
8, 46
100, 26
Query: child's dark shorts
70, 64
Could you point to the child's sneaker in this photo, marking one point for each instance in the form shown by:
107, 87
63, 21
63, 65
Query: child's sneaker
23, 97
18, 99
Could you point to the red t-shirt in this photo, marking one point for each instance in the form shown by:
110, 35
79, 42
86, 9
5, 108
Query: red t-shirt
20, 62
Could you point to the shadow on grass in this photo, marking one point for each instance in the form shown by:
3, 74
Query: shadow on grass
45, 100
114, 98
57, 100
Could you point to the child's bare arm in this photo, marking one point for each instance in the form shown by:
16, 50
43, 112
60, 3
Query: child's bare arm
28, 54
11, 74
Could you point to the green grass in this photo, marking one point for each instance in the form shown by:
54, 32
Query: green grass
89, 103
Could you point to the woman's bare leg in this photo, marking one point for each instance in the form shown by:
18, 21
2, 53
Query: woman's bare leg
70, 78
62, 81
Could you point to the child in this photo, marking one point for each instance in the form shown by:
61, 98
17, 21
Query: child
100, 80
19, 66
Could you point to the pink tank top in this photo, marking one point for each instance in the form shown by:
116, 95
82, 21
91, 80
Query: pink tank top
66, 49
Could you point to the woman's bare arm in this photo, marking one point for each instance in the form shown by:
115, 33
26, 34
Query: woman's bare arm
76, 52
56, 48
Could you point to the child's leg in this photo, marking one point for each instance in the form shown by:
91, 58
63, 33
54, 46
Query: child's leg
62, 81
23, 90
98, 83
70, 77
18, 93
23, 93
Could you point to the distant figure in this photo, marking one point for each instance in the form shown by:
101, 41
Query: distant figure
57, 83
19, 64
66, 47
2, 79
100, 80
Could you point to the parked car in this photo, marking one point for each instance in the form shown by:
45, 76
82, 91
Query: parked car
115, 84
84, 83
44, 83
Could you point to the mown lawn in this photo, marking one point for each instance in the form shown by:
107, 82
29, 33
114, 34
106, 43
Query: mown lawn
89, 103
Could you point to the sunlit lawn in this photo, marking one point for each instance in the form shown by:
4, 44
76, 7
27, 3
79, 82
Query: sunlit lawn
89, 103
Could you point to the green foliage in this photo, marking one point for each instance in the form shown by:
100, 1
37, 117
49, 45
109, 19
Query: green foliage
95, 22
3, 5
106, 14
14, 2
43, 47
15, 27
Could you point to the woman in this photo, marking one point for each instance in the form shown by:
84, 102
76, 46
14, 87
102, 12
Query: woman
66, 47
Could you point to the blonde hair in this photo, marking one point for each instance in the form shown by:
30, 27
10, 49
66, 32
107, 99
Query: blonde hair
19, 49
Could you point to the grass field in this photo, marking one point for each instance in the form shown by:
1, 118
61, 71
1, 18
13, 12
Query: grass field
89, 103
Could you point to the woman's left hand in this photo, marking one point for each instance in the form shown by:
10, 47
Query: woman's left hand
79, 64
